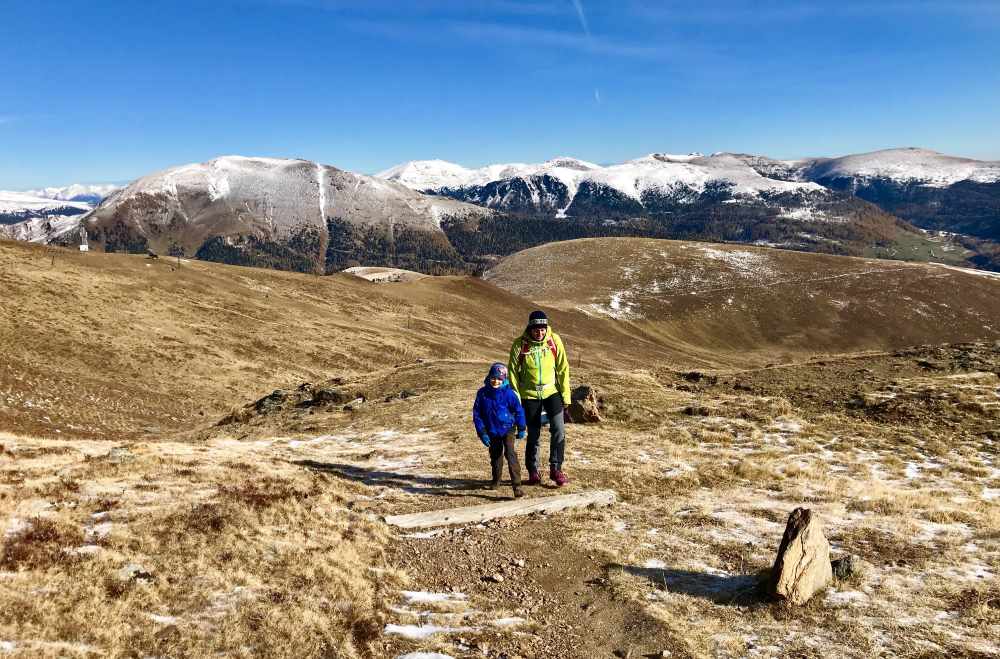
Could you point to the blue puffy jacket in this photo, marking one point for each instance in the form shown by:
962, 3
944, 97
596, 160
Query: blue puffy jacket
496, 411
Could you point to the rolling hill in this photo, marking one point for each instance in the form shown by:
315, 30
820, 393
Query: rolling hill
734, 298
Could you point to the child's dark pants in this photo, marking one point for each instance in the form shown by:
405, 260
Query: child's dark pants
498, 447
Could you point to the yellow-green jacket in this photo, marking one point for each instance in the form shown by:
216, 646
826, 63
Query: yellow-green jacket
538, 373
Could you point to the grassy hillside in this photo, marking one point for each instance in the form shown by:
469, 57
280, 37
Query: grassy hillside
734, 298
154, 503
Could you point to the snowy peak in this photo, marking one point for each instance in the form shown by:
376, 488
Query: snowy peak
909, 165
87, 193
428, 174
659, 174
20, 206
289, 203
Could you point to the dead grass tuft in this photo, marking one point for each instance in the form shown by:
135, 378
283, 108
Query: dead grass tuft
884, 548
41, 545
981, 605
266, 492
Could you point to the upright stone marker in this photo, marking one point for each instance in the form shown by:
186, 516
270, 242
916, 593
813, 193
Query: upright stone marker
802, 567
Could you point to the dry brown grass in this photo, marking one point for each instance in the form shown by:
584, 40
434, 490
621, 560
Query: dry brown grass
264, 546
259, 558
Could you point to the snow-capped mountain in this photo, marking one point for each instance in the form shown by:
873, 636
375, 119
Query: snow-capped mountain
42, 229
931, 190
19, 206
45, 215
904, 166
34, 219
293, 212
562, 183
88, 193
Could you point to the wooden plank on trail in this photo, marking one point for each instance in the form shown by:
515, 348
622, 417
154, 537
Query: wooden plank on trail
513, 508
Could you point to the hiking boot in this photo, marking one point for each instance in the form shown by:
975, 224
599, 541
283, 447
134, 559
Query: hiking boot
518, 492
493, 485
558, 477
533, 478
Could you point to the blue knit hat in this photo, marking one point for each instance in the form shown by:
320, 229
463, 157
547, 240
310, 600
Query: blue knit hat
498, 371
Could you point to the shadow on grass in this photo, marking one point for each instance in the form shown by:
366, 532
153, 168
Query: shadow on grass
412, 483
739, 589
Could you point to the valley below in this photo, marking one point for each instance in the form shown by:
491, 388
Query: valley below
197, 458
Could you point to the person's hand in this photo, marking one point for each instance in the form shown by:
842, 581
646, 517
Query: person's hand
566, 415
485, 439
521, 434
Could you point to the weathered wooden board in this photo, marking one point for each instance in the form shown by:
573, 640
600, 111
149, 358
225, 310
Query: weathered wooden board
513, 508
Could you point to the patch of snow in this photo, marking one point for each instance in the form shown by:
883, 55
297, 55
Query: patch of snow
808, 214
787, 425
15, 526
679, 469
508, 622
969, 271
654, 564
423, 597
422, 631
163, 620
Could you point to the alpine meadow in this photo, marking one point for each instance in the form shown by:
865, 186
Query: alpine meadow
548, 328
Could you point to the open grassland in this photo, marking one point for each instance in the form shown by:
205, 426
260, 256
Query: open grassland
187, 520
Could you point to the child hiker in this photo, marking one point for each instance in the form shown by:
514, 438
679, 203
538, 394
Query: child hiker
496, 412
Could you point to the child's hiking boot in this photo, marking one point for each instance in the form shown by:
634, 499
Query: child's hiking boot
558, 477
533, 478
518, 492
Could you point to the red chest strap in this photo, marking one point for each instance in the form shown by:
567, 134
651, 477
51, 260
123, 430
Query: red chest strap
526, 350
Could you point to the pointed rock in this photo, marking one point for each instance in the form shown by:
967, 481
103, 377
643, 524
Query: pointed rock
802, 567
586, 405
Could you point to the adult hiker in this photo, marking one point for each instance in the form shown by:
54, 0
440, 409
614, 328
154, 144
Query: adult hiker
538, 371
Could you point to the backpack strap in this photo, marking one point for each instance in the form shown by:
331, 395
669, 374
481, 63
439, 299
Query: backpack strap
526, 350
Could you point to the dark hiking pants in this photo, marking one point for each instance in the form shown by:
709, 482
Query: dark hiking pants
499, 447
553, 406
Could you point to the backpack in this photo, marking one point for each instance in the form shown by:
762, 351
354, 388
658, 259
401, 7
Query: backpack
526, 349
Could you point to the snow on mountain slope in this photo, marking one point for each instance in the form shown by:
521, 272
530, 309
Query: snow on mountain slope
92, 194
922, 166
440, 174
270, 199
18, 208
18, 202
41, 229
655, 173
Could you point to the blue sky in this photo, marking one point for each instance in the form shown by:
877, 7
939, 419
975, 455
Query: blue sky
110, 90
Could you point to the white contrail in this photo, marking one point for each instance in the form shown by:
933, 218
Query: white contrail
597, 94
582, 16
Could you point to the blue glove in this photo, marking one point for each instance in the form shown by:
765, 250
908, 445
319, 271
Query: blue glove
521, 434
485, 439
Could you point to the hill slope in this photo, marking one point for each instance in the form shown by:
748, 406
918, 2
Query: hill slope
168, 343
743, 298
141, 518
